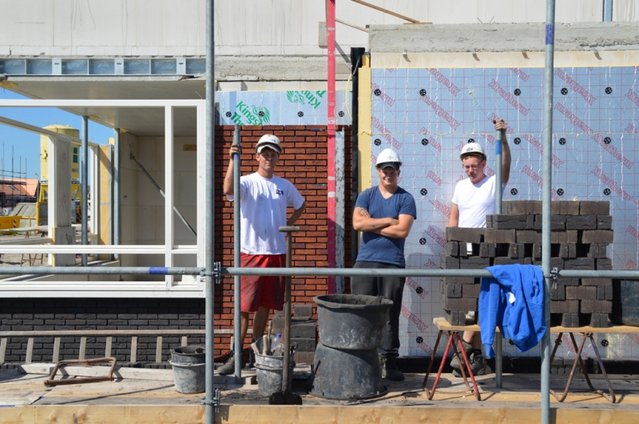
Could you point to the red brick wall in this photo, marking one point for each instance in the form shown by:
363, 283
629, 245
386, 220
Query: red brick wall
304, 164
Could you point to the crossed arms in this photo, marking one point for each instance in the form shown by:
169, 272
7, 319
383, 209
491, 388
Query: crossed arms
388, 227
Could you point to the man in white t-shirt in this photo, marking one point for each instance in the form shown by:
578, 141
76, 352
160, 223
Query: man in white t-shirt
473, 199
264, 199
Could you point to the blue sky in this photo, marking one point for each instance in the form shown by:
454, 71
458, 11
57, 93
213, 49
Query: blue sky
20, 149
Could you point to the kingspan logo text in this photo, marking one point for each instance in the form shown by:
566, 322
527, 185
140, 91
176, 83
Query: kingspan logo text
250, 114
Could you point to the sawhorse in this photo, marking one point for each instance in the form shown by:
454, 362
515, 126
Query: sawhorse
587, 334
454, 333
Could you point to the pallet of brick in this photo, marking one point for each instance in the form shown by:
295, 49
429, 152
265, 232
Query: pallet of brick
580, 234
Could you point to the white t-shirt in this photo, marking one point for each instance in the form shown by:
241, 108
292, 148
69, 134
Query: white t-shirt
475, 201
263, 203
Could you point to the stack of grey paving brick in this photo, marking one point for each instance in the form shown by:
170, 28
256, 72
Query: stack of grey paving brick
303, 332
580, 234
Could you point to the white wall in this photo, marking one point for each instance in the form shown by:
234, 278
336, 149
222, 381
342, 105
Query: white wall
248, 27
128, 198
96, 27
142, 205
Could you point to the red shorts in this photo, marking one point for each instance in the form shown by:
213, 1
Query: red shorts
262, 290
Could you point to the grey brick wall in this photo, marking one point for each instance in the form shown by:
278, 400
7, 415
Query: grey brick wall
99, 314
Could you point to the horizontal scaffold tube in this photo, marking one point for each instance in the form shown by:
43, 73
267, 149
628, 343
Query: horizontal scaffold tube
134, 270
409, 272
628, 274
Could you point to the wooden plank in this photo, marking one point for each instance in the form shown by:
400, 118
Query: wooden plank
55, 357
108, 343
121, 414
615, 329
3, 349
442, 324
134, 349
29, 356
83, 348
158, 349
510, 410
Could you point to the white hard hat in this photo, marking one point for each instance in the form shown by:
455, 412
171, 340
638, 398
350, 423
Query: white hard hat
472, 148
268, 141
388, 157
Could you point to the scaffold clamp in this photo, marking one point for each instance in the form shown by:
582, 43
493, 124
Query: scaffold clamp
215, 401
217, 272
554, 274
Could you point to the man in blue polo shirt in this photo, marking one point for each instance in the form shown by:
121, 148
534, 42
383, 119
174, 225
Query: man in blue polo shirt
384, 214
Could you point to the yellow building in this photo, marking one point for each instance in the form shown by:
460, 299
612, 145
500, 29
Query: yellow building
76, 190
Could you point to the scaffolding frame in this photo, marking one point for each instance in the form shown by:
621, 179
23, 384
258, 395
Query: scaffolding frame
217, 270
205, 129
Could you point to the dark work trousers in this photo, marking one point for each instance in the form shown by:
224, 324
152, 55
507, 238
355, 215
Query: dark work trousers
389, 287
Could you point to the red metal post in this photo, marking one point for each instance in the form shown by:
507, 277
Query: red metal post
331, 209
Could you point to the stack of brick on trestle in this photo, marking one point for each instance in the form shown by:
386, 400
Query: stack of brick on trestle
580, 234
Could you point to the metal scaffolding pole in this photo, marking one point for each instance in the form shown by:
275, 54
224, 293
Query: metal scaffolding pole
498, 172
625, 274
498, 200
546, 207
607, 11
237, 286
98, 270
211, 399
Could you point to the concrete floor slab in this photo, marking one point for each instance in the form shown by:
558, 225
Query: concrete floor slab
25, 399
